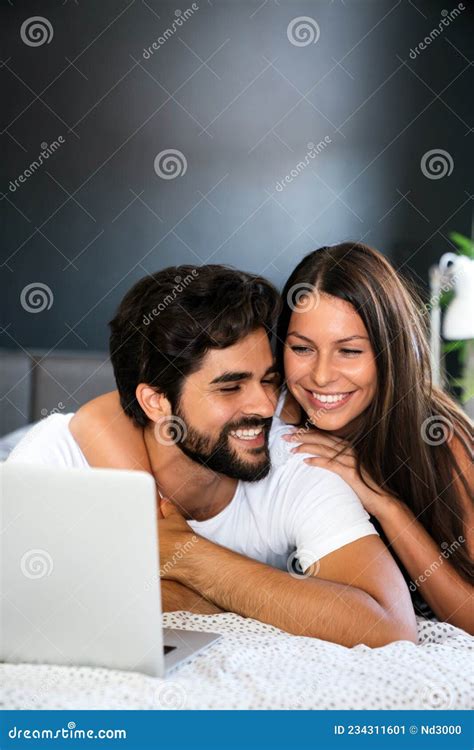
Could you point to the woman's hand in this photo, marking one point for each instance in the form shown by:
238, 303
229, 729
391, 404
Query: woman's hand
335, 454
177, 541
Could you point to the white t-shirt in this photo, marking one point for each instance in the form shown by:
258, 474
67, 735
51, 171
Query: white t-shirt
297, 510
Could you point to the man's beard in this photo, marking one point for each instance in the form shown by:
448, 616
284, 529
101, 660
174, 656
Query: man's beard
220, 456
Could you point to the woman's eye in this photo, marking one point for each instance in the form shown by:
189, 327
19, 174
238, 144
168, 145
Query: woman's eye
300, 349
351, 351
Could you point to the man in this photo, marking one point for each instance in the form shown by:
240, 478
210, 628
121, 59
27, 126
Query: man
195, 373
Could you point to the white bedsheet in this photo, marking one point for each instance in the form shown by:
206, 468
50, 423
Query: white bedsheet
257, 666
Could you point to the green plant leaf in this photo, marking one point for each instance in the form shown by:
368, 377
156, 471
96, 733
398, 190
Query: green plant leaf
453, 346
464, 244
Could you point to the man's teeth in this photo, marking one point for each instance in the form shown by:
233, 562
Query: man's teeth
332, 399
249, 434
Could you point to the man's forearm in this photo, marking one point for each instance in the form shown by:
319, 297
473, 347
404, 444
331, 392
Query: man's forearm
310, 606
176, 597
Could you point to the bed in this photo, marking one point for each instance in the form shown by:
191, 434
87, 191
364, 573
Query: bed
256, 666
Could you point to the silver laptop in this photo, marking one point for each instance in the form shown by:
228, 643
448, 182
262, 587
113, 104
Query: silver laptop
80, 571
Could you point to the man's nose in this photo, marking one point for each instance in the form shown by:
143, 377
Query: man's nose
260, 402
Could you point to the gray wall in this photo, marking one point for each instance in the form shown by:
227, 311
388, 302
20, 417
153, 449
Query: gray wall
241, 102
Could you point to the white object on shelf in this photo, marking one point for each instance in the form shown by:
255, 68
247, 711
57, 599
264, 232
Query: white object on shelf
458, 321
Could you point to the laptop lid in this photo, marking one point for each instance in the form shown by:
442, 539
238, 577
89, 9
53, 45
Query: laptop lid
80, 568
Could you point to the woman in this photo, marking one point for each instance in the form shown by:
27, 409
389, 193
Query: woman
351, 340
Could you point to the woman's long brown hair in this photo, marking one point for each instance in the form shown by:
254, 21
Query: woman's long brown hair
404, 438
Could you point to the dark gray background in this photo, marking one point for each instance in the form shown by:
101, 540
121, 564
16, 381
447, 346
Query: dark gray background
241, 103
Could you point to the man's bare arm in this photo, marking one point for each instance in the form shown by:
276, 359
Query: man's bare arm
177, 598
358, 595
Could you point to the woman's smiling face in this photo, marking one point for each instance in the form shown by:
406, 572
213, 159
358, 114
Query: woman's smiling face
329, 363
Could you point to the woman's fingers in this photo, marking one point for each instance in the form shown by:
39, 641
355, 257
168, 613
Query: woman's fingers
326, 451
313, 437
326, 463
315, 449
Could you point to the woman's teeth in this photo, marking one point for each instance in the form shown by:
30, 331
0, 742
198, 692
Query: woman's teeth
329, 399
249, 434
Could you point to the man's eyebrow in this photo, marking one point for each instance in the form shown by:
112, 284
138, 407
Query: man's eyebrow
232, 377
338, 341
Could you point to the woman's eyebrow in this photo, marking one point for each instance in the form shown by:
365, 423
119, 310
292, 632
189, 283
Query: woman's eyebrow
300, 336
351, 338
338, 341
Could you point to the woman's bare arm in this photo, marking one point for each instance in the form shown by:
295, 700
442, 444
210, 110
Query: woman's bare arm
448, 594
107, 437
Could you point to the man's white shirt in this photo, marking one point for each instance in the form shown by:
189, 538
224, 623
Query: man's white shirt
297, 511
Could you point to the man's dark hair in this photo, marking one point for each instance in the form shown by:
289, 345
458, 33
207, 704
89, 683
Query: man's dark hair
168, 321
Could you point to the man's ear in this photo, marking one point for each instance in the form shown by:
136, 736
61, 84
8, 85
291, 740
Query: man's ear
154, 404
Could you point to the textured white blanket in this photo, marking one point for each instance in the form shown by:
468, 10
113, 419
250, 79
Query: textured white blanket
257, 666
